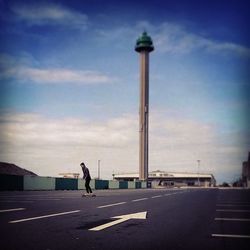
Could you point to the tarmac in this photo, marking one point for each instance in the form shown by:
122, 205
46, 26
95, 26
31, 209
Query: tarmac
202, 218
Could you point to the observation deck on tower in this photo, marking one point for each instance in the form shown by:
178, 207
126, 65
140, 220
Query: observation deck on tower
144, 43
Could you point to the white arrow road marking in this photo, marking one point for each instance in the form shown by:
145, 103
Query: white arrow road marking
121, 218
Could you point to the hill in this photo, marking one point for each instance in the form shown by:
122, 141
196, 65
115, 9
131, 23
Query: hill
12, 169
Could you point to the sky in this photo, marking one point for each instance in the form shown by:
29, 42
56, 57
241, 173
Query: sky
69, 85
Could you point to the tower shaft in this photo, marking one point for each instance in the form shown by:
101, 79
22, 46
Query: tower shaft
143, 113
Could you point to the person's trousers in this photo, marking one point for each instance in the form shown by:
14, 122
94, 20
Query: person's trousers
88, 188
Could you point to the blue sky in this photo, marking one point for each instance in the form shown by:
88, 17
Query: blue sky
69, 85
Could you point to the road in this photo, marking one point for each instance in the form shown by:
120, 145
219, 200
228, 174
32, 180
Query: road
170, 219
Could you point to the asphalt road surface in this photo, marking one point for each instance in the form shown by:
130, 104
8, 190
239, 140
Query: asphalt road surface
144, 219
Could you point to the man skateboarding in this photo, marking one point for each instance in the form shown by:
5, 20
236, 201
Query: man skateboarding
87, 178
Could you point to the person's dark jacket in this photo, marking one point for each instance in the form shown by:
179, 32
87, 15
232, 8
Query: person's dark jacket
86, 174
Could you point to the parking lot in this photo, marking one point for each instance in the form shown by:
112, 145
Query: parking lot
126, 219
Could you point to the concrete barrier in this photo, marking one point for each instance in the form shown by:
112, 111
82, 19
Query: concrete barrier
101, 184
127, 184
14, 182
123, 184
113, 184
81, 184
131, 185
38, 183
11, 182
137, 184
66, 184
144, 184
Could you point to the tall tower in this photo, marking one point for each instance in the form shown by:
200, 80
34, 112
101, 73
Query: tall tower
144, 45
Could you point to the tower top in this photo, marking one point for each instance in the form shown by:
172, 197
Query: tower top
144, 43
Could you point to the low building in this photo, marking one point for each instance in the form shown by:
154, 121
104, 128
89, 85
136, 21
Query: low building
246, 172
70, 175
172, 179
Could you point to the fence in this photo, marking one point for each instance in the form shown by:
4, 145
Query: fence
15, 182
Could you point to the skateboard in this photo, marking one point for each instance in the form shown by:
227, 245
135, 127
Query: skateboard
88, 195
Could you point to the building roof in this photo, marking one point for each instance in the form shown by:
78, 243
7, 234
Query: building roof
70, 175
164, 174
12, 169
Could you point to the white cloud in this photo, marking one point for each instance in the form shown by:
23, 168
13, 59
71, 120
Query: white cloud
227, 46
49, 146
11, 69
34, 130
175, 38
49, 14
58, 76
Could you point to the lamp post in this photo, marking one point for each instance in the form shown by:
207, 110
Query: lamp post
198, 161
99, 163
144, 46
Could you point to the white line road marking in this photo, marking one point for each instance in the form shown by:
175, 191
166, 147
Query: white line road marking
142, 199
13, 209
111, 205
39, 195
177, 193
232, 205
31, 199
157, 196
73, 197
121, 218
236, 203
46, 199
231, 236
233, 210
18, 201
44, 216
232, 219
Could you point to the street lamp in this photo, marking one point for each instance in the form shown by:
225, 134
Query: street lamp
198, 172
99, 163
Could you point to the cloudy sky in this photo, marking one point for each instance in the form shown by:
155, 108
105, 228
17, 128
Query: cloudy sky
69, 85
